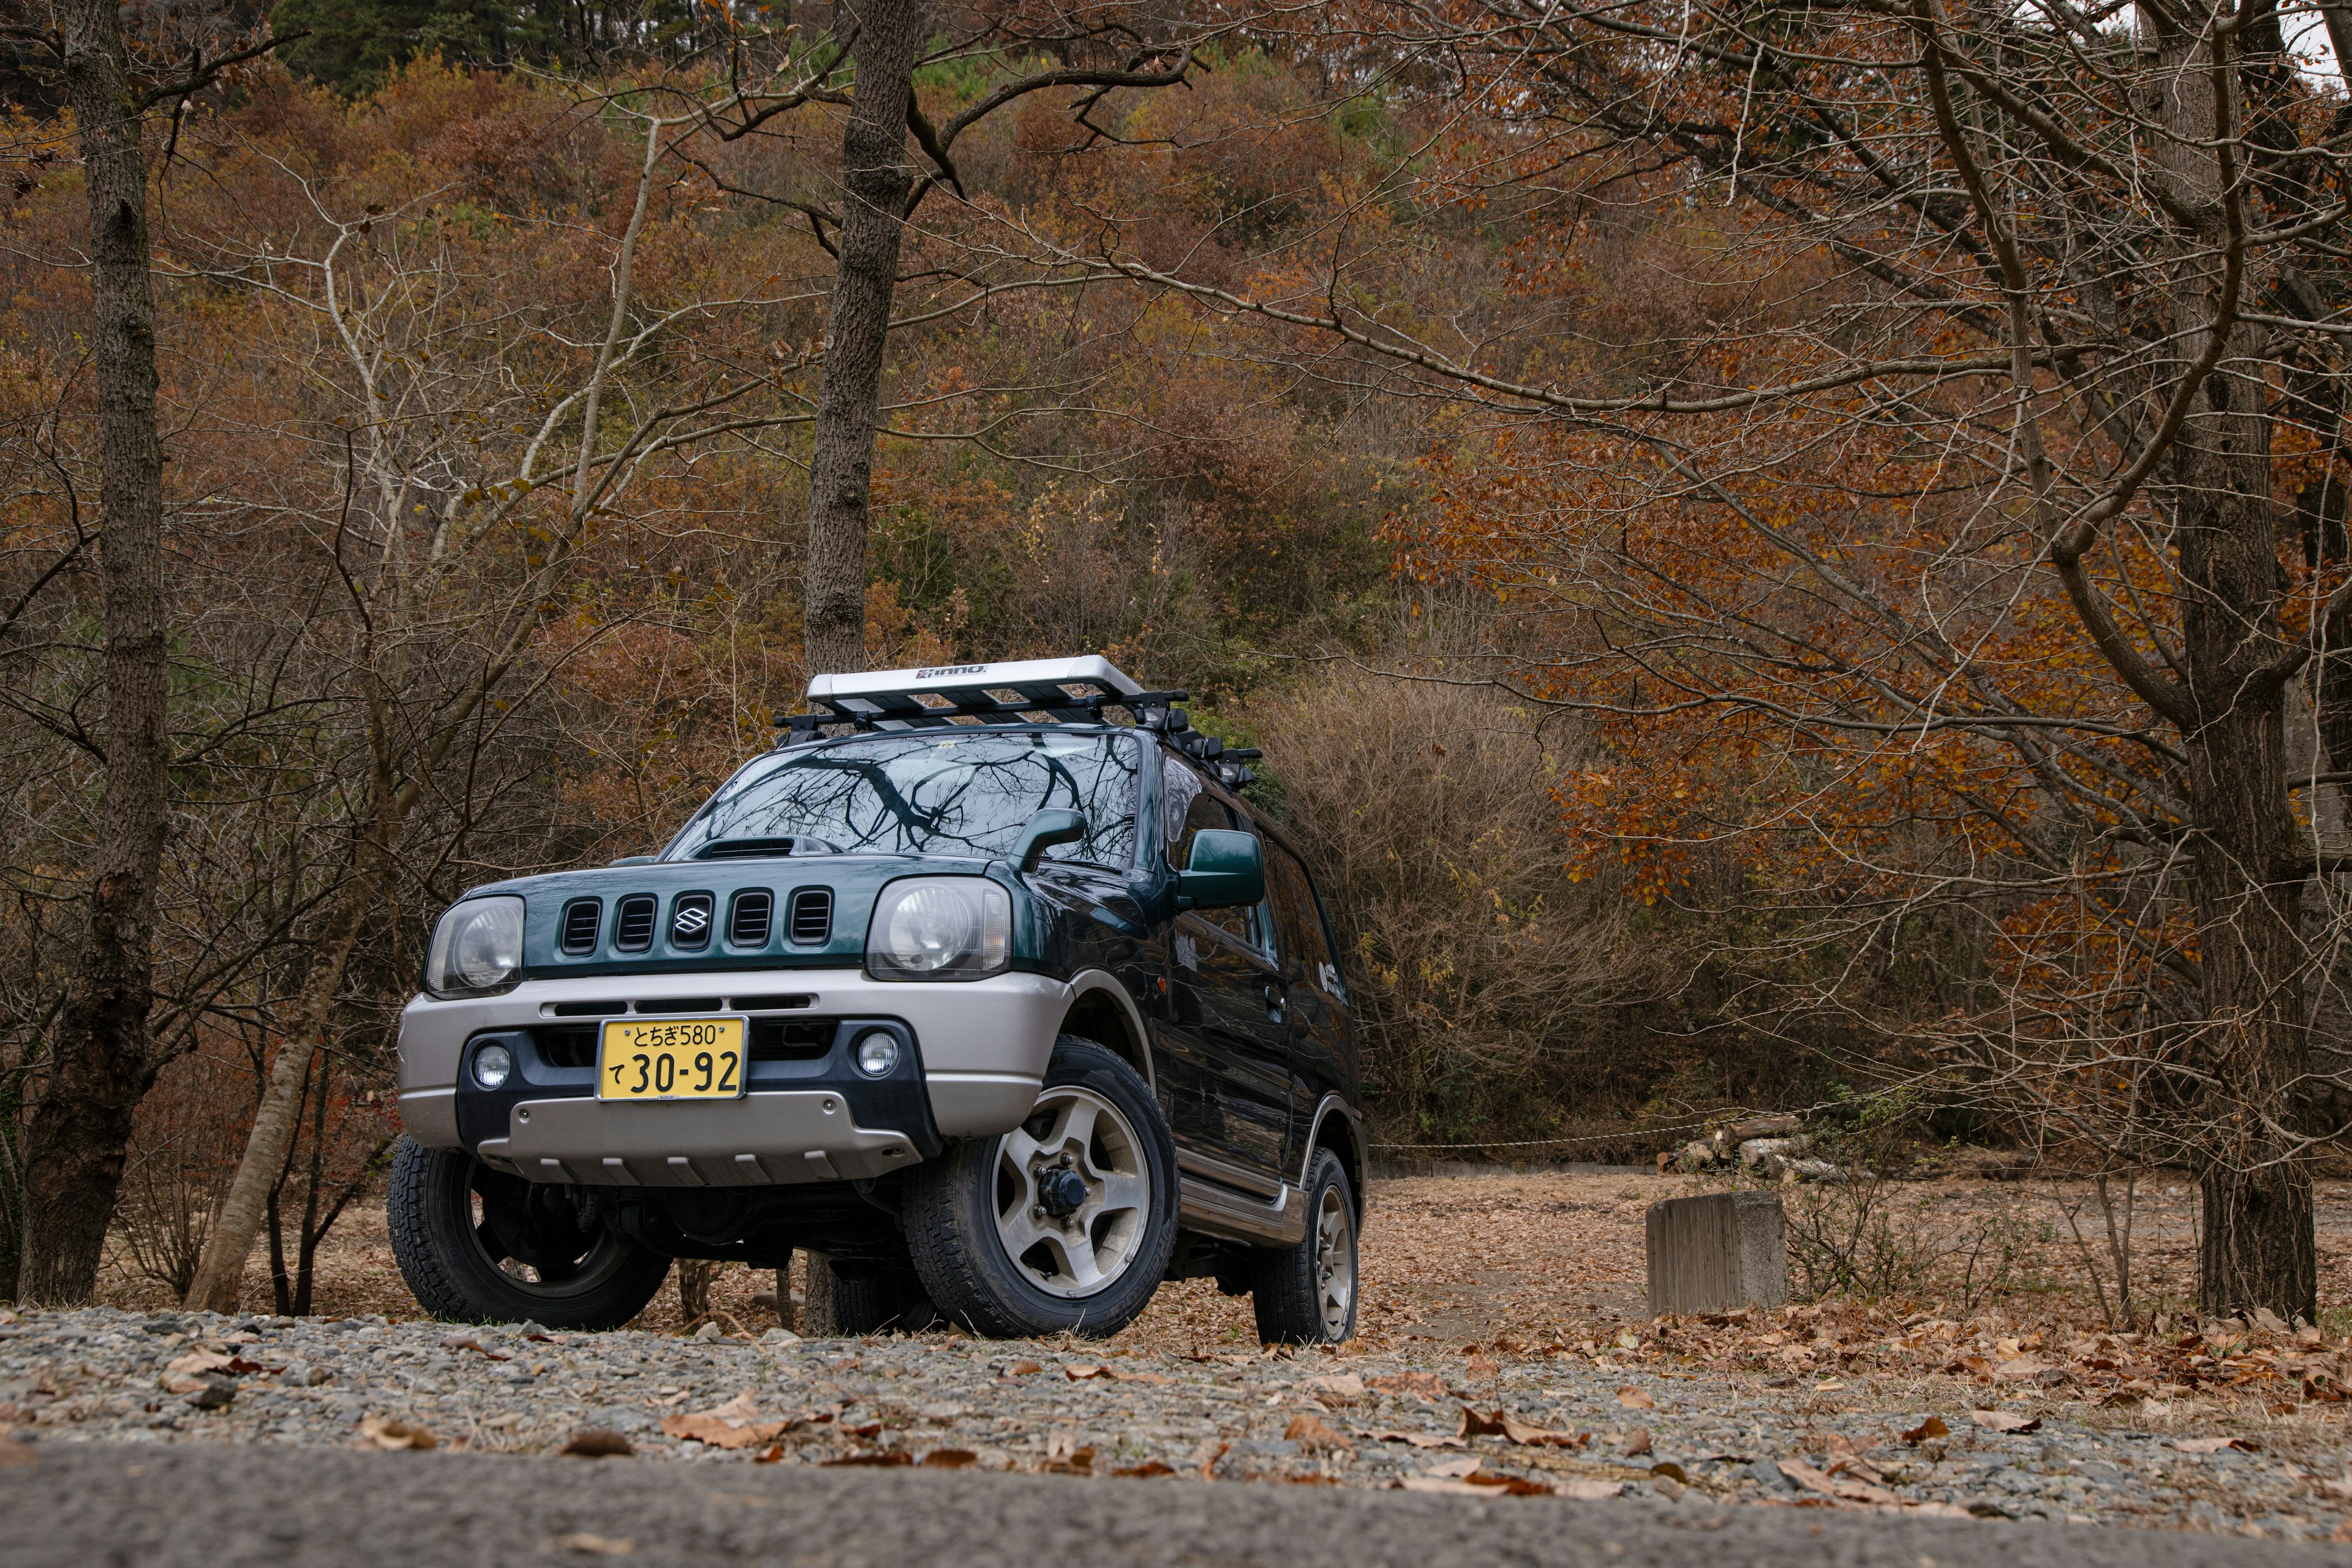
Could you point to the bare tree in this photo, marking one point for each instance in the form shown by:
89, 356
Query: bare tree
1941, 516
99, 1059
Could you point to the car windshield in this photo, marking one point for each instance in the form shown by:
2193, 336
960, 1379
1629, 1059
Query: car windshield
937, 793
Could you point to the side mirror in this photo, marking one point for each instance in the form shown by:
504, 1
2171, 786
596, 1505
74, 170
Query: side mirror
1045, 830
1227, 869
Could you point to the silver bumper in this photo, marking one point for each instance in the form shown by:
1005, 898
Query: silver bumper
984, 1045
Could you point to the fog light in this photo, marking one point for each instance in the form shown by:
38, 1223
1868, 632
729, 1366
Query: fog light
491, 1065
877, 1053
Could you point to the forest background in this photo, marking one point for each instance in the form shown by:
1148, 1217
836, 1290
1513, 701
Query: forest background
1540, 451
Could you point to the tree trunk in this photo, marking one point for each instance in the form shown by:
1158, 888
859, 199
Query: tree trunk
876, 180
100, 1064
694, 1289
2258, 1246
817, 1300
222, 1268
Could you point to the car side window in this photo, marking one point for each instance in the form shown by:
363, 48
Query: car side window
1305, 947
1186, 808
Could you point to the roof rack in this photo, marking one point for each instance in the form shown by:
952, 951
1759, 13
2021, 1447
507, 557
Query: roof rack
1034, 690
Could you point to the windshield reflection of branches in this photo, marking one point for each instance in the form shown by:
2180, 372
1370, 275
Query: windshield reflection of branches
965, 795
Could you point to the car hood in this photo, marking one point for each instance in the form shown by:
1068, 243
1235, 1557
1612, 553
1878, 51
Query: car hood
850, 881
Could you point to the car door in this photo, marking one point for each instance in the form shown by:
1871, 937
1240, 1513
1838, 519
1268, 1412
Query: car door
1226, 1054
1314, 998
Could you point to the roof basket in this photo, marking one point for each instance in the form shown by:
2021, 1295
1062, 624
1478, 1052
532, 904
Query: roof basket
1037, 690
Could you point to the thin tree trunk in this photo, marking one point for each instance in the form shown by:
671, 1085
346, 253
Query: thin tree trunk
307, 1243
875, 180
2258, 1248
693, 1291
101, 1066
222, 1267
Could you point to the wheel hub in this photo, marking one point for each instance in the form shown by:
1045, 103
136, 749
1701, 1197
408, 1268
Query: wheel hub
1061, 1193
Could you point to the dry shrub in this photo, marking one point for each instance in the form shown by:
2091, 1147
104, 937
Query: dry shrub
184, 1151
1478, 967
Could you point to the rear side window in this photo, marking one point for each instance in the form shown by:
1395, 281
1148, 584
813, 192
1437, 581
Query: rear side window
1305, 945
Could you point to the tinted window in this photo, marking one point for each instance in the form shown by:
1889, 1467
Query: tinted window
1306, 949
940, 792
1199, 809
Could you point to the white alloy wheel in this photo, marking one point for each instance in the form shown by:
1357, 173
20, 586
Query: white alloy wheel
1073, 1194
1335, 1263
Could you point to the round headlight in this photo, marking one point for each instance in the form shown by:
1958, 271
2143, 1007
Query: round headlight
939, 928
478, 946
931, 926
491, 1066
877, 1053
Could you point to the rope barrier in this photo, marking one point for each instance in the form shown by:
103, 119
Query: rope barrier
1712, 1121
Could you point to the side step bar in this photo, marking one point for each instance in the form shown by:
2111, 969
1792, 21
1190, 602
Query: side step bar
1280, 1221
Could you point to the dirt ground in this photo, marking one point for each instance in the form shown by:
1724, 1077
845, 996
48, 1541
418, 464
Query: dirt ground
1543, 1255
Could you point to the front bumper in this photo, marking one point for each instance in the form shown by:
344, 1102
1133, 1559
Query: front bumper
981, 1047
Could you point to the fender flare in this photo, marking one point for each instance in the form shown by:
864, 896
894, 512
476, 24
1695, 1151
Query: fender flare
1332, 1105
1091, 982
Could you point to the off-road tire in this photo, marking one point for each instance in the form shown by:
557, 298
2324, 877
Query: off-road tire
428, 1209
951, 1221
880, 1307
1291, 1291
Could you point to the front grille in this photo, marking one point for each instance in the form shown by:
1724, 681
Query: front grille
566, 1046
812, 916
689, 920
678, 1005
749, 922
790, 1039
590, 1009
581, 918
633, 924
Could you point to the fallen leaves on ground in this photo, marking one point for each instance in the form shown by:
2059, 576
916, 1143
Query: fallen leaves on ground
598, 1443
1636, 1399
2005, 1420
589, 1544
734, 1425
1418, 1439
1314, 1435
395, 1435
1931, 1428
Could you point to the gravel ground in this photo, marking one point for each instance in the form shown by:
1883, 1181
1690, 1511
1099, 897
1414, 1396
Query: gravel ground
1677, 1442
206, 1507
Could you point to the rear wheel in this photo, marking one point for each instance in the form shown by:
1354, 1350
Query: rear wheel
1063, 1225
478, 1246
880, 1306
1306, 1294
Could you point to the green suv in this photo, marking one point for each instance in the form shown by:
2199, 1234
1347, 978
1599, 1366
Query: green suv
986, 985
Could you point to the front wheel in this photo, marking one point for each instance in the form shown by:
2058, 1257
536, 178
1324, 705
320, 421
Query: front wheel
477, 1245
1065, 1224
1306, 1294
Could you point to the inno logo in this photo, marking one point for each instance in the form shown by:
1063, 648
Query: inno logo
952, 670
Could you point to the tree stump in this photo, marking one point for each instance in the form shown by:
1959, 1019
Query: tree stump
693, 1289
1717, 1253
817, 1300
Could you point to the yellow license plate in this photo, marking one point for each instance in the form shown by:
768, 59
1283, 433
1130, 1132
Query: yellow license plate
671, 1058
